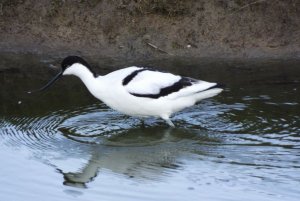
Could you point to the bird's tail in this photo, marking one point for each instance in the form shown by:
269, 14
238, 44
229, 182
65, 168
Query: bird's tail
209, 92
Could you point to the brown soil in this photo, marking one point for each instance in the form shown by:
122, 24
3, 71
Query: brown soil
152, 28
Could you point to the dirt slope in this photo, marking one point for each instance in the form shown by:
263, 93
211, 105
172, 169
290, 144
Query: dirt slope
152, 28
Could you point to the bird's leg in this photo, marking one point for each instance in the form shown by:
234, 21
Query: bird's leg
169, 122
142, 121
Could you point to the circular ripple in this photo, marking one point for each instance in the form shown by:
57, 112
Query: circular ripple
95, 124
33, 132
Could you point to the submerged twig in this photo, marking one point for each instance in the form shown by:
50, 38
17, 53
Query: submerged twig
157, 48
247, 5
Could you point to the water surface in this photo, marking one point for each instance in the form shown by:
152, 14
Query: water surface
65, 145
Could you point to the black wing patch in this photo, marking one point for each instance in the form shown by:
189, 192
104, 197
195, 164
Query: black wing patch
182, 83
132, 75
129, 77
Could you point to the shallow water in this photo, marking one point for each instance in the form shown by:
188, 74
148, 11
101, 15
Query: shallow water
65, 145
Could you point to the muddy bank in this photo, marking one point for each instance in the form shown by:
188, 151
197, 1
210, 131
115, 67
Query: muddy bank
137, 29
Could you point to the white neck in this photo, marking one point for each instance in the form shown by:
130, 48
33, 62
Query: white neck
86, 77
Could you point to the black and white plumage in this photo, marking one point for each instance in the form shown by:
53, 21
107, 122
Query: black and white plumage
139, 91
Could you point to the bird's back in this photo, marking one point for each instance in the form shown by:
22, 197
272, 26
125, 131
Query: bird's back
141, 91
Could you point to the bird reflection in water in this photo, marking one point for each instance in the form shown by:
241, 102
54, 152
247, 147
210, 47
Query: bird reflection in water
141, 154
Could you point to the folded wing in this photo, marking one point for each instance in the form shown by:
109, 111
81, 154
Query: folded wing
148, 83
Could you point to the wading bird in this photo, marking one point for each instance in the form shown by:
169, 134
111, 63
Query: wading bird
138, 91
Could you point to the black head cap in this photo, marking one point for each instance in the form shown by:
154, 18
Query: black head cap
70, 60
67, 62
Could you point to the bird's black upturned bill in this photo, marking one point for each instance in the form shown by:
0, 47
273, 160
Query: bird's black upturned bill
51, 82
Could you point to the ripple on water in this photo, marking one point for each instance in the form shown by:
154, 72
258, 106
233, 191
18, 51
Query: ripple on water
33, 132
96, 125
95, 139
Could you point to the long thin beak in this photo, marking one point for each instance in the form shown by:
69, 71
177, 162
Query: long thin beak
51, 82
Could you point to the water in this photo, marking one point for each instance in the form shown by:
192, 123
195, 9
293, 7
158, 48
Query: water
65, 145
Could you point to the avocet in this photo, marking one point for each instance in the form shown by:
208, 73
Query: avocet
139, 91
